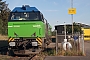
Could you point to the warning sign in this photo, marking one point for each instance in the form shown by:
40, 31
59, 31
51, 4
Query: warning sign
72, 11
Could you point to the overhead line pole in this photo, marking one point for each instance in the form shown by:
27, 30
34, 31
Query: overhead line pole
72, 16
56, 43
65, 29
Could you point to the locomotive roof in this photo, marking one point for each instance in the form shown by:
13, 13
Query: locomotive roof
25, 8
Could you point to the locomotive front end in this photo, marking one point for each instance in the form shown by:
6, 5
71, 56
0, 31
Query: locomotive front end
26, 29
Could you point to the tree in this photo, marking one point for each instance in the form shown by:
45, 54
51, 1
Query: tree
4, 17
53, 33
76, 28
0, 26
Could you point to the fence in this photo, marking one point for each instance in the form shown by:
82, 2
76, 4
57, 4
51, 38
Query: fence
70, 45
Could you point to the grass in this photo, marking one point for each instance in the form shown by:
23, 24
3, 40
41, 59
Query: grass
74, 51
50, 52
4, 57
47, 52
61, 52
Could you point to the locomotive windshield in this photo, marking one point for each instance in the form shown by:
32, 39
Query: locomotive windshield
25, 16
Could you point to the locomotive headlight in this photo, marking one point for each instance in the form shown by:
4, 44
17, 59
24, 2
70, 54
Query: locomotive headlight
12, 44
34, 44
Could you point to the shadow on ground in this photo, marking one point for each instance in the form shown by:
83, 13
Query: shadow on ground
3, 47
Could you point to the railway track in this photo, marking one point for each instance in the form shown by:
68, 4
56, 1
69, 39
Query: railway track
4, 50
31, 56
23, 57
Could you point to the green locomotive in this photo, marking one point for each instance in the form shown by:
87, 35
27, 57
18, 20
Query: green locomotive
27, 28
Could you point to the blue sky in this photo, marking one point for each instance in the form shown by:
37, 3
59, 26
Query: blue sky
57, 10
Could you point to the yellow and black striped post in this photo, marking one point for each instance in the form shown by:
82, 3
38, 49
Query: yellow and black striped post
10, 39
39, 40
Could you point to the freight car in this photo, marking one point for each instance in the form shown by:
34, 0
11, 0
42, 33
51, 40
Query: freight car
27, 29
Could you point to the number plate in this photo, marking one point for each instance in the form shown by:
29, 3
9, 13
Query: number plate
12, 43
34, 43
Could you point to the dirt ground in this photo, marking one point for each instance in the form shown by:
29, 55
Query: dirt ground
3, 37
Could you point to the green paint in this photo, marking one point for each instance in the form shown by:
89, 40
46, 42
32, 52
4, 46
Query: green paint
26, 28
